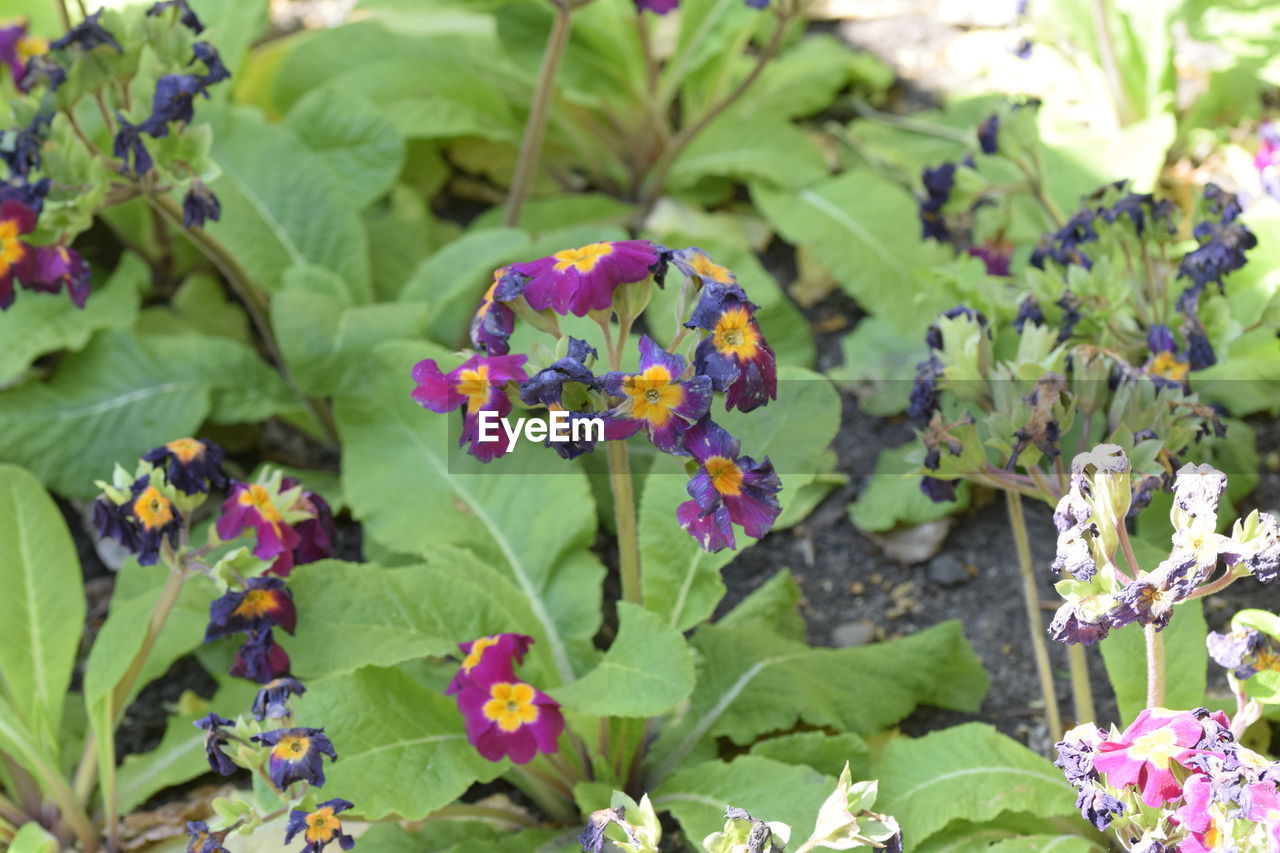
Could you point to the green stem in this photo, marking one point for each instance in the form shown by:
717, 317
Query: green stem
9, 811
1110, 65
1155, 666
1217, 586
1031, 596
53, 784
624, 515
535, 127
1081, 688
555, 806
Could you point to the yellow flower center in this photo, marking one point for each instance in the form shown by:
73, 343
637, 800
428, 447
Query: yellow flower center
256, 603
735, 335
1266, 661
1169, 366
1158, 748
477, 652
708, 268
322, 825
259, 498
153, 509
186, 449
511, 705
291, 748
11, 248
583, 259
474, 385
486, 301
29, 46
653, 395
725, 475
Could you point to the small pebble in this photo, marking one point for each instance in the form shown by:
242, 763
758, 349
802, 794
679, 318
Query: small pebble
857, 588
853, 634
948, 570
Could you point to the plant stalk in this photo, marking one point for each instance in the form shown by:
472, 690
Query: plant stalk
535, 127
1110, 65
1022, 544
624, 515
1081, 688
1155, 666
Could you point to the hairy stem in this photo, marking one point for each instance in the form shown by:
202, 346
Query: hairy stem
1022, 544
539, 111
624, 514
1155, 666
1081, 688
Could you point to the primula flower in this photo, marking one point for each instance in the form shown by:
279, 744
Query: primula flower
657, 398
262, 603
128, 145
510, 718
140, 522
214, 740
200, 205
320, 827
17, 46
728, 489
1164, 366
660, 7
215, 71
317, 534
201, 840
480, 383
546, 387
493, 323
1195, 817
1261, 803
1145, 753
697, 265
1028, 312
87, 35
260, 659
268, 508
17, 259
295, 755
735, 354
56, 268
988, 134
1245, 652
1267, 160
174, 100
584, 279
186, 15
1097, 806
938, 183
488, 660
272, 701
192, 466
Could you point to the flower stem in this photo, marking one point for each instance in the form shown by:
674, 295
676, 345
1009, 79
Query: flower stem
1022, 544
536, 125
1110, 65
624, 515
1081, 688
1155, 666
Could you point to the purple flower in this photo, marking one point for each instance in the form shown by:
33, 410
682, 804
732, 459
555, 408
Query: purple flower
316, 533
272, 701
263, 602
1075, 754
1222, 243
1097, 806
734, 354
261, 507
938, 183
174, 100
479, 383
1244, 651
581, 280
546, 387
214, 740
17, 47
141, 522
192, 466
295, 755
87, 35
493, 322
17, 259
660, 7
1063, 245
260, 659
697, 265
510, 718
488, 660
41, 69
201, 840
1164, 366
320, 827
128, 145
1070, 626
924, 393
657, 398
1198, 490
727, 489
186, 15
987, 134
200, 205
23, 155
1150, 600
215, 71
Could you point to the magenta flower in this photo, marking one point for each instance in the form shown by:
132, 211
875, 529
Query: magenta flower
658, 398
17, 47
488, 660
1145, 753
661, 7
493, 322
583, 279
17, 259
479, 382
510, 718
1194, 815
1262, 802
728, 489
260, 659
261, 507
262, 603
56, 268
734, 354
317, 534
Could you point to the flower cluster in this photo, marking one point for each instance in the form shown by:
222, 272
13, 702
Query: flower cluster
1174, 780
1106, 588
291, 525
669, 398
504, 716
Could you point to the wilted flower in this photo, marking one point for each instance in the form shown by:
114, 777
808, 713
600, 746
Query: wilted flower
214, 740
493, 322
584, 279
87, 35
215, 71
272, 701
57, 267
734, 354
1097, 806
174, 100
260, 659
658, 398
1028, 312
201, 840
295, 755
128, 145
697, 264
140, 520
185, 14
1221, 251
1244, 651
192, 466
1164, 366
200, 205
262, 603
479, 382
510, 718
1145, 753
988, 131
488, 660
546, 387
317, 534
938, 183
727, 489
320, 827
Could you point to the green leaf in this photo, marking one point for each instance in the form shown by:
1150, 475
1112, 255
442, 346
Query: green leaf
769, 790
280, 205
245, 388
773, 606
33, 838
879, 365
754, 682
794, 430
969, 772
401, 746
402, 234
467, 836
39, 323
806, 79
892, 494
1009, 834
769, 150
43, 607
415, 491
825, 753
360, 145
647, 671
199, 307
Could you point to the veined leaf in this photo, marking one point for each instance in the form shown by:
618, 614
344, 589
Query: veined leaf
42, 609
819, 750
646, 672
774, 606
360, 145
777, 153
891, 495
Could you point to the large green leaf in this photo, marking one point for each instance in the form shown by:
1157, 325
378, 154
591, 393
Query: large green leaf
280, 204
402, 748
970, 772
360, 145
42, 609
41, 323
769, 790
646, 672
754, 682
415, 491
755, 148
825, 753
33, 838
892, 494
1012, 833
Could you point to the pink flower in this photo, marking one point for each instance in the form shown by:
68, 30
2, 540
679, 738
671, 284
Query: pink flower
488, 660
260, 507
510, 718
1264, 807
1144, 754
479, 382
583, 279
